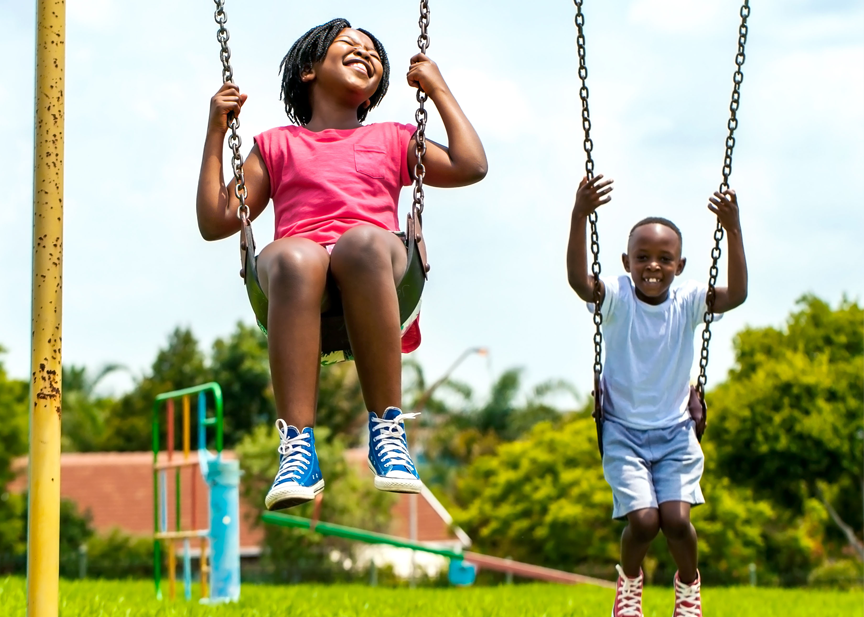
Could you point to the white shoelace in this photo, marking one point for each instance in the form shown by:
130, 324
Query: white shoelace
690, 595
393, 450
629, 601
295, 453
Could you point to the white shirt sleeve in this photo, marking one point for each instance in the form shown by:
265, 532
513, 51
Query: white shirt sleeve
610, 300
696, 298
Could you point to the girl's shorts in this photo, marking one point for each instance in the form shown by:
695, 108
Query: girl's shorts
648, 467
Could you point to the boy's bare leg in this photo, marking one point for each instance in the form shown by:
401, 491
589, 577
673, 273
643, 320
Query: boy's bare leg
367, 263
642, 527
293, 275
681, 538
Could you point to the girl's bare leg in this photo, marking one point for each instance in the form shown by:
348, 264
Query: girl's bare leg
293, 275
367, 263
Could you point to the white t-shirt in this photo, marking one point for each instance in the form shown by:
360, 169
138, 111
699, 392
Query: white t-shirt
649, 353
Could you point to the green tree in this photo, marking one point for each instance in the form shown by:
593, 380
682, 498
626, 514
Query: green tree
340, 403
348, 500
463, 434
544, 500
14, 396
84, 410
541, 500
787, 422
179, 365
240, 365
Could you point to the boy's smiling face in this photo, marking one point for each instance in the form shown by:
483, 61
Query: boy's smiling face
653, 260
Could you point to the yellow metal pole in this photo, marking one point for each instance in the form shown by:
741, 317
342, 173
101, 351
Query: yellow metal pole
43, 546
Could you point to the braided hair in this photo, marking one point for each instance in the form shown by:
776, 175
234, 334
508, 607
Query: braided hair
658, 220
311, 48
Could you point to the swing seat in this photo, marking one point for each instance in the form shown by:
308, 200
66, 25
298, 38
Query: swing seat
335, 344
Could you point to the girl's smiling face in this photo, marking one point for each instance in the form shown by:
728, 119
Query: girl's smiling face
352, 68
653, 260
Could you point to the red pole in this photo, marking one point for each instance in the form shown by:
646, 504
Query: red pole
170, 428
193, 482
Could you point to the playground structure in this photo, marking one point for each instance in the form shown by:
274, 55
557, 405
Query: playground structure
463, 565
222, 537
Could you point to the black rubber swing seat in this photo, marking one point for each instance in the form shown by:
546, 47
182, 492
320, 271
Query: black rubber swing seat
335, 344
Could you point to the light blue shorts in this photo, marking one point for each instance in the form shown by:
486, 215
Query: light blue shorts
650, 467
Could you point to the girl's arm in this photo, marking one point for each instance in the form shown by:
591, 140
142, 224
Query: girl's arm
590, 196
463, 160
216, 204
725, 206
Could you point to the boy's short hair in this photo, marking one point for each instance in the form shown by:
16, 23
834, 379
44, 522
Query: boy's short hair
658, 220
311, 48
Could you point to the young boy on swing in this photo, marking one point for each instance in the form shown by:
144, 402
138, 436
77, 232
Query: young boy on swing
651, 456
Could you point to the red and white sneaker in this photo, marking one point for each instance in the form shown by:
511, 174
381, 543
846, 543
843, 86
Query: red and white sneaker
628, 596
688, 600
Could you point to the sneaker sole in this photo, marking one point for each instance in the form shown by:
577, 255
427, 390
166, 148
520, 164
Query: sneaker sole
398, 485
290, 496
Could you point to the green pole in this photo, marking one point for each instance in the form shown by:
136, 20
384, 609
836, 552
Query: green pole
351, 533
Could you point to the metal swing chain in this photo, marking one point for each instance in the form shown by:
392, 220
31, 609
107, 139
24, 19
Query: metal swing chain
588, 146
421, 116
708, 318
234, 141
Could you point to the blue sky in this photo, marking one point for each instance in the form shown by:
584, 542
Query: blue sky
139, 79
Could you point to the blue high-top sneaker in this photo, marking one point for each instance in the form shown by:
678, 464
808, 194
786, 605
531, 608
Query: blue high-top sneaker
299, 477
389, 459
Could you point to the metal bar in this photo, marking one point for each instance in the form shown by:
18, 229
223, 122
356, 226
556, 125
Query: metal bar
43, 538
211, 385
350, 533
181, 535
187, 570
205, 569
170, 429
157, 556
176, 464
536, 572
177, 499
203, 421
186, 427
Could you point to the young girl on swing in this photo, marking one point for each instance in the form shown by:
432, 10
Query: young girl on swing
335, 184
651, 456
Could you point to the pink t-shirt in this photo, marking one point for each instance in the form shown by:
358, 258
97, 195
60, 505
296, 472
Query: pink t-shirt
323, 184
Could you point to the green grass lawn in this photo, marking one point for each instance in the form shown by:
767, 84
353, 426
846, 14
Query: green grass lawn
135, 598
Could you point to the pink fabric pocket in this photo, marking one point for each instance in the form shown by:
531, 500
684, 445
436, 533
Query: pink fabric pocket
370, 161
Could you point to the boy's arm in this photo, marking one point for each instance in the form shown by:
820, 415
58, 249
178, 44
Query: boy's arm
590, 196
725, 206
463, 160
216, 204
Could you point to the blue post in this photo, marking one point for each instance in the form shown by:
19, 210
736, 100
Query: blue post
224, 480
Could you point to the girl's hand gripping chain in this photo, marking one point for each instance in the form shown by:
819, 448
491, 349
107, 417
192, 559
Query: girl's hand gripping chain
463, 160
424, 73
226, 101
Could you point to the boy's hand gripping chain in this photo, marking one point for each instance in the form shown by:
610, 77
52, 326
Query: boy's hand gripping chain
588, 146
247, 242
708, 318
